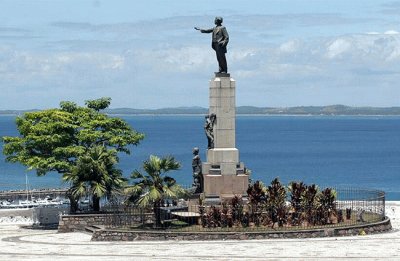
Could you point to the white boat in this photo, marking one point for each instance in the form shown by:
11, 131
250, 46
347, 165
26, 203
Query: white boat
32, 203
4, 204
47, 202
27, 204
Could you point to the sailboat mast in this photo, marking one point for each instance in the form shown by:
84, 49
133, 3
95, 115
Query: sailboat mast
26, 186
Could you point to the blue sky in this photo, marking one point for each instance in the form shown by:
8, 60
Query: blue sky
146, 54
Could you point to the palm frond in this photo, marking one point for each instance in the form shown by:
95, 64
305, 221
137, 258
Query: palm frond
99, 190
169, 163
155, 194
152, 166
136, 175
154, 186
169, 181
135, 189
79, 189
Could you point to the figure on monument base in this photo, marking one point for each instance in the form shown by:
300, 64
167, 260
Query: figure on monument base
209, 129
197, 185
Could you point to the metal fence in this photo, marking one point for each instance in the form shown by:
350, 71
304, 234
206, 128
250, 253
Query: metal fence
369, 205
352, 207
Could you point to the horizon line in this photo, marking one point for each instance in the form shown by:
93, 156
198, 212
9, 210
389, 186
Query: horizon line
201, 107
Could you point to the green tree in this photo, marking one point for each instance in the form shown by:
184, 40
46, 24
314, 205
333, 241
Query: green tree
55, 139
95, 174
154, 186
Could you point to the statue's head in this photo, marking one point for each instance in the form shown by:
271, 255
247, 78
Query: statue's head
195, 150
218, 20
213, 116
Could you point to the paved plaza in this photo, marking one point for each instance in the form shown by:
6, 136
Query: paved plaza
18, 243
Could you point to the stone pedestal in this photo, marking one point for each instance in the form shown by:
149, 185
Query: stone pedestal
224, 175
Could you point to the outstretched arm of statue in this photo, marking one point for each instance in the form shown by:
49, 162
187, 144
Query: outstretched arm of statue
207, 31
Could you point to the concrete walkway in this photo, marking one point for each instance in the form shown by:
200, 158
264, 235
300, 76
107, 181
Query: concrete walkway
26, 244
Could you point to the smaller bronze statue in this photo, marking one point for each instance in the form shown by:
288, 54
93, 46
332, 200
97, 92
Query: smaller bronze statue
209, 129
220, 39
197, 174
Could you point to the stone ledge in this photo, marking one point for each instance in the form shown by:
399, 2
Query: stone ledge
120, 235
78, 222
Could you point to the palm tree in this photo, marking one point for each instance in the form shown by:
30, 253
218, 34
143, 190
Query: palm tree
95, 174
154, 186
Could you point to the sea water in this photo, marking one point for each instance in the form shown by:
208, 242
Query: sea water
340, 151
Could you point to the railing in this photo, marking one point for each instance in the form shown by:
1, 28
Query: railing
368, 204
128, 217
352, 207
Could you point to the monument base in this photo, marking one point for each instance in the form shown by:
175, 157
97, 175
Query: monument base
222, 188
222, 74
224, 176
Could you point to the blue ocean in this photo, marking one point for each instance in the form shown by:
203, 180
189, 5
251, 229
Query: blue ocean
340, 151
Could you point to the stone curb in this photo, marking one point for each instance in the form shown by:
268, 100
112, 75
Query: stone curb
120, 235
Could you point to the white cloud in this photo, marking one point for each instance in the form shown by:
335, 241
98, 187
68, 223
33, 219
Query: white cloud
388, 32
169, 56
172, 59
391, 32
39, 80
25, 63
238, 55
338, 47
243, 74
289, 46
394, 55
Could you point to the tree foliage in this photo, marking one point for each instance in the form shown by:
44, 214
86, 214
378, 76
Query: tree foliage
276, 202
95, 174
257, 193
60, 139
99, 104
154, 186
297, 196
326, 205
309, 203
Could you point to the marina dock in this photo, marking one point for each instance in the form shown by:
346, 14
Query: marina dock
36, 193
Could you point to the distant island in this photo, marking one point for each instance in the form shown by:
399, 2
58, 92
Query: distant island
251, 110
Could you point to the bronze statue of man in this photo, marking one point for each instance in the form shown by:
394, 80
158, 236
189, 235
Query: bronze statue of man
220, 39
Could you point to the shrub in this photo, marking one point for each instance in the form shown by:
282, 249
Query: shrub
326, 206
297, 190
257, 197
276, 203
267, 206
309, 203
237, 209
